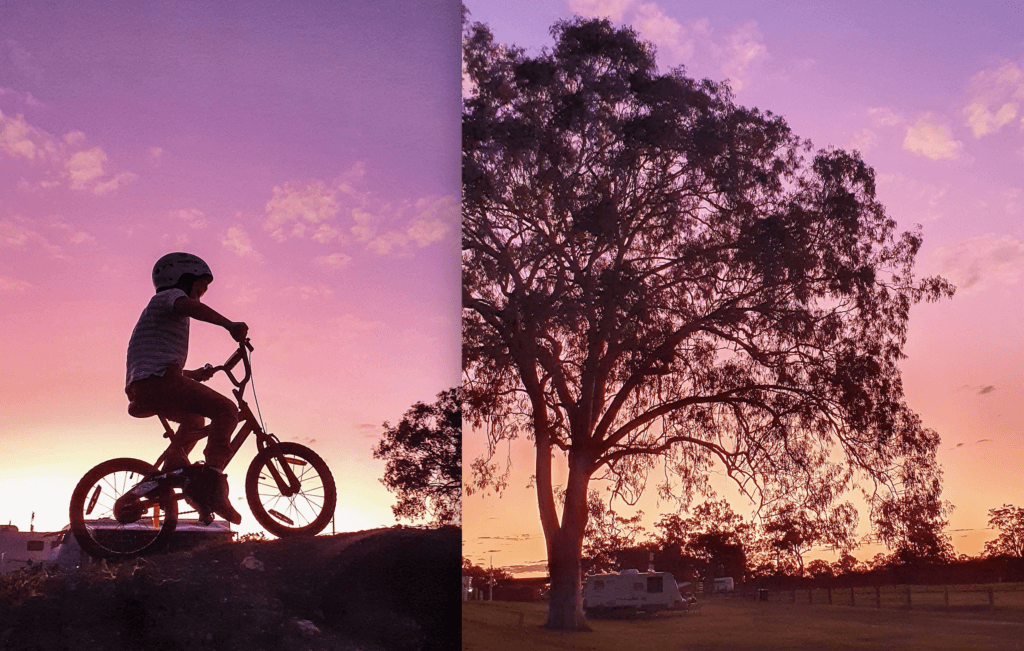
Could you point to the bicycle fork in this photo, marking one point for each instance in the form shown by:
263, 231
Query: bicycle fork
278, 464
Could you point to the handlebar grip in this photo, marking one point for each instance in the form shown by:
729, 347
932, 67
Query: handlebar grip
234, 359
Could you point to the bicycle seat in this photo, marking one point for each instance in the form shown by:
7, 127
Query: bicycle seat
139, 410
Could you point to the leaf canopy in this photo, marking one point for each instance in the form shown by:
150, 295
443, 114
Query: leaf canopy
655, 275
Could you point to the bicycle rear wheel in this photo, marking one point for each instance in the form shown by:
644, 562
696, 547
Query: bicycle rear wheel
305, 513
94, 524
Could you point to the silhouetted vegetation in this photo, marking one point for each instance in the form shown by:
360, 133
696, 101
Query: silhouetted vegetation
713, 541
424, 461
654, 276
1009, 520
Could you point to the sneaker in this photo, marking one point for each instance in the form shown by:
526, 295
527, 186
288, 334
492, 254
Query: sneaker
196, 489
220, 503
207, 491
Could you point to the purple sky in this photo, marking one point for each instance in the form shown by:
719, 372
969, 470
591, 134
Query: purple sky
308, 151
932, 94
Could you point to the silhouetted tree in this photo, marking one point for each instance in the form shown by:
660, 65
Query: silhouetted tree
608, 534
820, 569
846, 564
424, 461
910, 521
714, 536
484, 574
654, 276
1010, 521
791, 531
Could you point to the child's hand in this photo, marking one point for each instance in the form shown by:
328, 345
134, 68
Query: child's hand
238, 330
204, 373
200, 374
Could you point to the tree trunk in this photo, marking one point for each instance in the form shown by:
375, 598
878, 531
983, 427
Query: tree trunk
565, 606
565, 546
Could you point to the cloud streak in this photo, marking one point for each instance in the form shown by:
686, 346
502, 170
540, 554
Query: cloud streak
977, 259
83, 169
337, 212
930, 137
996, 96
298, 211
238, 242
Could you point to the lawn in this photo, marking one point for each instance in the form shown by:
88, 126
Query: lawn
745, 625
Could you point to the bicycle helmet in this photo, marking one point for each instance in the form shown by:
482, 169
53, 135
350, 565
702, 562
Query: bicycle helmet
170, 268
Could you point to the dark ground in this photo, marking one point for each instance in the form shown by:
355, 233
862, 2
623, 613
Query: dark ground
386, 589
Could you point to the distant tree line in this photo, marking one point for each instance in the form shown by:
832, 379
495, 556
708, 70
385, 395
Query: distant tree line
713, 541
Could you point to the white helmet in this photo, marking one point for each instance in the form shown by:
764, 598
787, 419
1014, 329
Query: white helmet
170, 268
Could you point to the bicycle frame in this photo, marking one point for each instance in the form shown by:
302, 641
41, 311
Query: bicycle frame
289, 484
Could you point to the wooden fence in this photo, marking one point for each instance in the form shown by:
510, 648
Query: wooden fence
908, 597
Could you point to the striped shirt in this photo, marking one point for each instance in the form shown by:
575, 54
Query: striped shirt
159, 339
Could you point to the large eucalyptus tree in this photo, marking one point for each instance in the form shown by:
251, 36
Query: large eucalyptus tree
653, 275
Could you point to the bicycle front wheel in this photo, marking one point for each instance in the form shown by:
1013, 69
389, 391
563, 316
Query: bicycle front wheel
92, 518
304, 513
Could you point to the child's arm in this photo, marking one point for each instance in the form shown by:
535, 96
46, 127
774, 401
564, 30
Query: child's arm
199, 374
197, 310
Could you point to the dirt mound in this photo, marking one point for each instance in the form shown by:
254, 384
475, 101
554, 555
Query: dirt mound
391, 589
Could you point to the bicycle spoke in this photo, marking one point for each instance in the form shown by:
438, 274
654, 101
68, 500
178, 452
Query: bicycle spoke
283, 511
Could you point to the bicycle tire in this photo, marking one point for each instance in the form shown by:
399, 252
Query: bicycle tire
303, 514
94, 497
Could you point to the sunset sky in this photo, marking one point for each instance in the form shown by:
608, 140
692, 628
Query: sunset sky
932, 95
309, 152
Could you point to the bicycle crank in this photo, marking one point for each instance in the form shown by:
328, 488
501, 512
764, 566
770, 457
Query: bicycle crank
129, 507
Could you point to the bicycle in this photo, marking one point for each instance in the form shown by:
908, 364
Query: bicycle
126, 507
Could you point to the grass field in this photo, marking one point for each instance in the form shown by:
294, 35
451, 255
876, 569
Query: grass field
745, 626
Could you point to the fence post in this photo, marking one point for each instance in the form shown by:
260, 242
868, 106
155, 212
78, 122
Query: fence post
910, 605
878, 597
991, 600
945, 595
853, 600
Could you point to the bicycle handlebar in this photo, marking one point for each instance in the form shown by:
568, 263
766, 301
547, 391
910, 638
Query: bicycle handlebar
240, 355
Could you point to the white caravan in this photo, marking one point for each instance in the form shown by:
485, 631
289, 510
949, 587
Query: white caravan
21, 549
631, 591
723, 584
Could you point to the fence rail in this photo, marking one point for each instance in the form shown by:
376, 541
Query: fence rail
907, 597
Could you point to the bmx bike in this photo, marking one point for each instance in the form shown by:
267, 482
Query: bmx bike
289, 488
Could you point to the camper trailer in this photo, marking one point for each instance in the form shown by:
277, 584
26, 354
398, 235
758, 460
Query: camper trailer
631, 591
723, 584
21, 549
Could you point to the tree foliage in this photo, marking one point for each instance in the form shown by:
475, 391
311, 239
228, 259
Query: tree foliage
608, 534
791, 531
718, 540
424, 461
911, 521
484, 575
655, 277
1009, 520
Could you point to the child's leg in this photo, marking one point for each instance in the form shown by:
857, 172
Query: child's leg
186, 402
177, 454
222, 412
